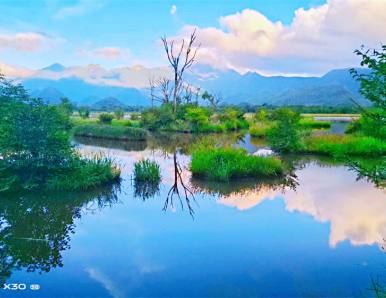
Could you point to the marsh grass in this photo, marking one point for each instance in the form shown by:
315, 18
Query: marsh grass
259, 129
340, 145
84, 173
110, 132
148, 171
224, 164
309, 123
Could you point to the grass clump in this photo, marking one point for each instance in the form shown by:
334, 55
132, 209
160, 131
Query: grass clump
336, 145
309, 123
259, 129
224, 164
85, 173
110, 132
147, 170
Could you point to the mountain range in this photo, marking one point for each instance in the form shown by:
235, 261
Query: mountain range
86, 85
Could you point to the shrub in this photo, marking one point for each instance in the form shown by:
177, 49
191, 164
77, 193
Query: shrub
229, 163
285, 135
119, 114
146, 170
105, 118
84, 113
110, 132
197, 116
368, 125
158, 118
340, 145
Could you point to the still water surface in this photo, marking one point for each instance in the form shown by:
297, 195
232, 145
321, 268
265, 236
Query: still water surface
318, 233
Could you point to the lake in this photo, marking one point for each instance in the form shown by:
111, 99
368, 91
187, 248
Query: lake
318, 232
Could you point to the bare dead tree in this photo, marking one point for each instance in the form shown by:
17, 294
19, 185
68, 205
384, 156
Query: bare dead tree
180, 60
213, 99
160, 89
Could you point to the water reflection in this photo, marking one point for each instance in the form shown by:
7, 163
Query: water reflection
36, 228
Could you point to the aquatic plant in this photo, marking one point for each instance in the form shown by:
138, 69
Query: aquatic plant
147, 170
314, 124
110, 132
259, 129
224, 164
338, 145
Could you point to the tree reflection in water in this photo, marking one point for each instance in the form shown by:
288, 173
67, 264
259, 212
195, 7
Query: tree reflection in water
36, 228
187, 193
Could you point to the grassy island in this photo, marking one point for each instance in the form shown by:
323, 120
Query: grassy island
224, 164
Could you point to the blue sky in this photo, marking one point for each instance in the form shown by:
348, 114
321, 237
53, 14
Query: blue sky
80, 32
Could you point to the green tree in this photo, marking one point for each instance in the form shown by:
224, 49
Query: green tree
34, 137
286, 134
66, 106
373, 87
105, 118
84, 113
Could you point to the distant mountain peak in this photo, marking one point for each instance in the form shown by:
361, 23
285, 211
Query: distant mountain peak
56, 67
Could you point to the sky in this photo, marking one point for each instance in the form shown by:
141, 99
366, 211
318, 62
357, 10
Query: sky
276, 37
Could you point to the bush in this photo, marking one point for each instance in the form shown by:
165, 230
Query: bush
340, 145
119, 114
146, 170
110, 132
368, 125
197, 117
135, 116
286, 134
84, 113
158, 118
105, 118
229, 163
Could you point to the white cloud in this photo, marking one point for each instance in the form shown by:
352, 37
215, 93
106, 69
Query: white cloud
112, 53
173, 10
317, 39
25, 41
80, 8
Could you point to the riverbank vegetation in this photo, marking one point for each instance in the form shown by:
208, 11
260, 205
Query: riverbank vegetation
224, 164
110, 132
35, 150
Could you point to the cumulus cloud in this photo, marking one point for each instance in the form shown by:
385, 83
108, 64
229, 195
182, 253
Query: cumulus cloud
173, 10
112, 53
80, 8
25, 41
317, 39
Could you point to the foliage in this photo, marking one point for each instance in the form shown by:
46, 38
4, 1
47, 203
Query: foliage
286, 134
135, 116
84, 174
66, 106
110, 132
197, 116
368, 125
373, 87
259, 129
225, 164
84, 113
119, 113
309, 123
156, 118
261, 115
373, 84
34, 140
105, 118
341, 145
147, 170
